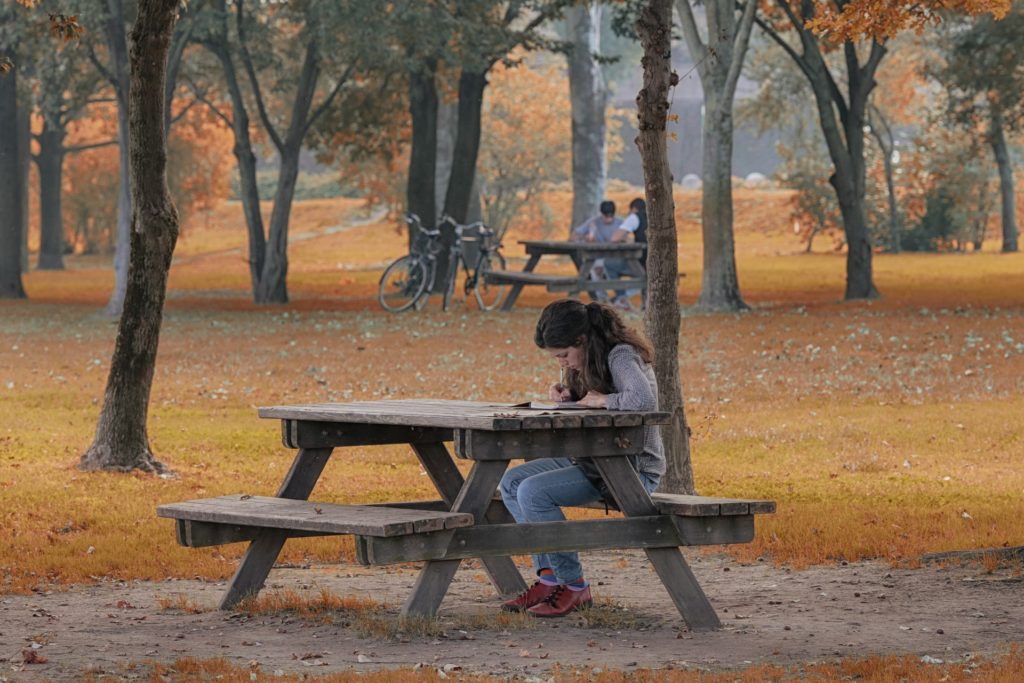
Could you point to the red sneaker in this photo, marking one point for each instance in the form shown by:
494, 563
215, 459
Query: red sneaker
562, 601
534, 595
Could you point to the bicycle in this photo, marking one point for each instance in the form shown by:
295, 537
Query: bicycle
408, 282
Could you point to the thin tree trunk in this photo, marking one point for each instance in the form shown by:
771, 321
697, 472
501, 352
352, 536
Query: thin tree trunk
10, 200
467, 144
122, 441
273, 287
248, 188
720, 289
662, 318
997, 138
719, 63
421, 186
588, 95
24, 163
882, 133
50, 162
118, 48
842, 124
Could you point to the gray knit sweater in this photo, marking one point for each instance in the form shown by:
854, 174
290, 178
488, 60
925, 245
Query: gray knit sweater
636, 389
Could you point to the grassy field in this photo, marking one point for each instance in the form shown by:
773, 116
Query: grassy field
884, 429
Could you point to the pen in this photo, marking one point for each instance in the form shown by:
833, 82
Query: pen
561, 377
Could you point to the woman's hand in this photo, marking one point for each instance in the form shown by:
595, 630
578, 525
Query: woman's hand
594, 399
559, 392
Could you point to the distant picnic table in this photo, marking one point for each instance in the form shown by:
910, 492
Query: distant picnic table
468, 520
583, 255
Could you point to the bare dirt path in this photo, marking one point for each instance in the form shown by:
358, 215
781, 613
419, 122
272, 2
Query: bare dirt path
769, 615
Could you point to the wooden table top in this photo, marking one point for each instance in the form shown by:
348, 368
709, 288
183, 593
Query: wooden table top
564, 247
451, 414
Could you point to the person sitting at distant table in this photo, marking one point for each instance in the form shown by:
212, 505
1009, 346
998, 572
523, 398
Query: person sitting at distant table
606, 227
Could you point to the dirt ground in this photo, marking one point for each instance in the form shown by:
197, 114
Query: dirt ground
769, 615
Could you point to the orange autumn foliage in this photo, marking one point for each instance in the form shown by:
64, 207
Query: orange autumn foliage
883, 19
199, 165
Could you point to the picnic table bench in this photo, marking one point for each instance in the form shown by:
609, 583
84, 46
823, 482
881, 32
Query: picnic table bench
467, 521
583, 255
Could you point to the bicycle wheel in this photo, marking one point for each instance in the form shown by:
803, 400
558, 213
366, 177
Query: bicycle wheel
402, 284
489, 295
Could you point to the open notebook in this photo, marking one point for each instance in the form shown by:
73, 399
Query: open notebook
551, 405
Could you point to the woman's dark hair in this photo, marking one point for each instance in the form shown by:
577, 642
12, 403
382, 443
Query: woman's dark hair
596, 326
641, 212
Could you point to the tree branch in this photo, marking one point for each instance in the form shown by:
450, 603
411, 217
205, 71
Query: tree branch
740, 44
74, 149
698, 50
201, 96
254, 81
330, 98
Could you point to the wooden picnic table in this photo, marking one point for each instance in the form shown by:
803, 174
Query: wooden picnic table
583, 255
468, 521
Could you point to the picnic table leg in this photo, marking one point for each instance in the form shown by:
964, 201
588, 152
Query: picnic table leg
436, 575
517, 287
448, 480
670, 564
263, 551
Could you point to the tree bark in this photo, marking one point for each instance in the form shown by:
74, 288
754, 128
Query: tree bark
421, 187
882, 133
719, 63
273, 286
248, 188
10, 200
24, 162
122, 441
997, 138
662, 318
588, 95
467, 144
118, 48
720, 288
842, 118
50, 162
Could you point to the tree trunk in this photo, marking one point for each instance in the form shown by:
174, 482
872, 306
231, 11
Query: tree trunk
467, 144
50, 162
273, 286
122, 441
248, 188
718, 63
720, 289
997, 138
588, 96
886, 145
662, 319
421, 185
24, 162
10, 200
118, 49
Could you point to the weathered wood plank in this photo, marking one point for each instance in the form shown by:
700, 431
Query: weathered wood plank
261, 554
323, 518
312, 434
598, 420
448, 480
596, 442
699, 506
521, 539
669, 563
422, 413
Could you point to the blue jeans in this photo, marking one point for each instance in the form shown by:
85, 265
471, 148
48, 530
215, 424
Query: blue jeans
536, 492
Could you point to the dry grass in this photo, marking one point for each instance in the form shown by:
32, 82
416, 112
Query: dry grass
890, 669
884, 429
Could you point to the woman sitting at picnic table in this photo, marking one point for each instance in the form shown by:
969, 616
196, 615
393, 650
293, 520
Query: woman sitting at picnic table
608, 366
